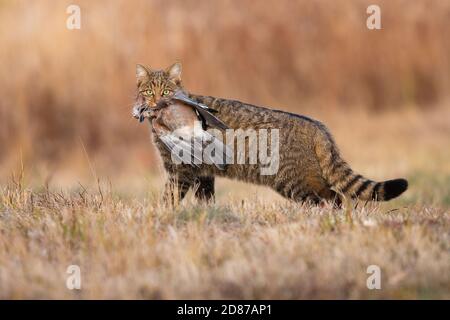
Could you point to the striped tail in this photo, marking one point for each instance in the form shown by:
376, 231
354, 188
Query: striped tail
342, 178
362, 188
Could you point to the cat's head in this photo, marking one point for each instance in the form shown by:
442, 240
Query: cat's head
152, 85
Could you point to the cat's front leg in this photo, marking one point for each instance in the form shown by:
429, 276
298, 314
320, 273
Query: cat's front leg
176, 188
204, 188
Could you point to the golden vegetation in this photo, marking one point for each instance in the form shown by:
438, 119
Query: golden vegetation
88, 189
249, 249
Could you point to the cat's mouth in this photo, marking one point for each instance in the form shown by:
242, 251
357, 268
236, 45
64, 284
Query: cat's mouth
142, 112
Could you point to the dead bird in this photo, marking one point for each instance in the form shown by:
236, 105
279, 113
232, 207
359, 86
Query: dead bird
181, 124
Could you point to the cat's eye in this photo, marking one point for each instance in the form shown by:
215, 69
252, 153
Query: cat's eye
148, 92
166, 92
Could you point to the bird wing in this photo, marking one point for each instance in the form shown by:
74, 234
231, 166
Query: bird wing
204, 111
193, 148
174, 144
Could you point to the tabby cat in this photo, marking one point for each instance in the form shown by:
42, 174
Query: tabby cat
310, 166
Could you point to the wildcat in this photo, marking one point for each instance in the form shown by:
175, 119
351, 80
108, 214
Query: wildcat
310, 165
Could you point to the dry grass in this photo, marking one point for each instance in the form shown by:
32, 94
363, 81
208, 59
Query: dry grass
249, 249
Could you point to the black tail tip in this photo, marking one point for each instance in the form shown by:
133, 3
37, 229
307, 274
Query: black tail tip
394, 188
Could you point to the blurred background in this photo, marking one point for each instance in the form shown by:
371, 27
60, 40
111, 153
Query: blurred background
66, 95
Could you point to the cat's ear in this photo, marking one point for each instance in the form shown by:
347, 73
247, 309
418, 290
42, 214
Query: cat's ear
174, 72
142, 73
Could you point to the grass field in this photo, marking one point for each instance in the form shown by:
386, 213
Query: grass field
249, 244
